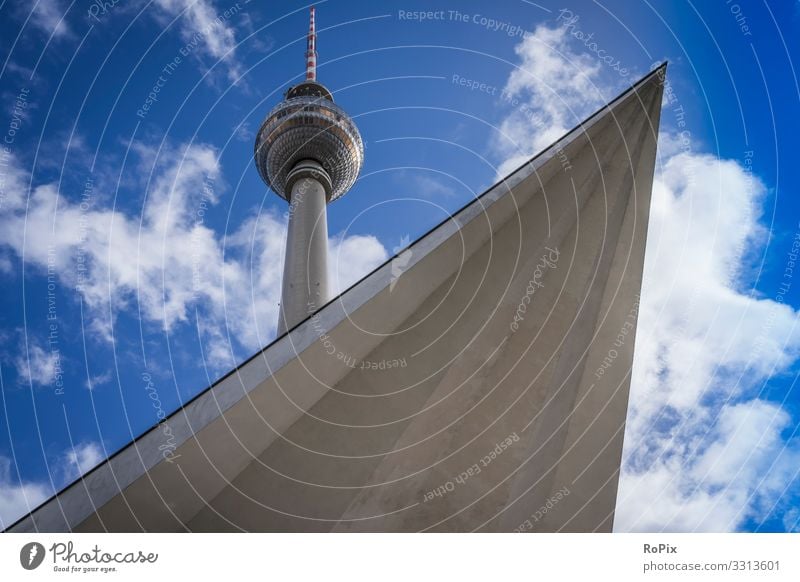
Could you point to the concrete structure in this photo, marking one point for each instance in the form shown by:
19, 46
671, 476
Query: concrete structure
484, 389
309, 152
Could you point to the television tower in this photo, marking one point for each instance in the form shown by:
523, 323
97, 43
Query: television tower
309, 151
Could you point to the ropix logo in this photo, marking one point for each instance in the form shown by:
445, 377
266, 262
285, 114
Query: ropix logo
31, 555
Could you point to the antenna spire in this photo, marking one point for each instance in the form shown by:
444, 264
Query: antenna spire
311, 50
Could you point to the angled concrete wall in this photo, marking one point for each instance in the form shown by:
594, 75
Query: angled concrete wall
484, 389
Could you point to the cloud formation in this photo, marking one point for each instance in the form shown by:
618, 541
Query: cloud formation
704, 451
166, 265
553, 86
17, 497
37, 366
80, 459
49, 17
202, 28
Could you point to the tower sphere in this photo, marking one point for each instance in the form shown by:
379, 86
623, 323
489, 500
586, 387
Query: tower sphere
308, 125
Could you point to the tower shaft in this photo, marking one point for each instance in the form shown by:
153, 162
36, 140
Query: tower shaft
305, 269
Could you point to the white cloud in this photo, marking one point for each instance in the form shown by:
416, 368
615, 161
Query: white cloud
696, 324
13, 184
711, 481
93, 382
126, 258
702, 450
428, 187
38, 366
80, 459
244, 132
48, 15
791, 520
553, 87
203, 28
167, 265
353, 257
17, 498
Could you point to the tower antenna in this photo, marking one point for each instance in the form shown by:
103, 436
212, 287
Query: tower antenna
311, 50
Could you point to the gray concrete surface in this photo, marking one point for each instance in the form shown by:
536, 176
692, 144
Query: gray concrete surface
465, 395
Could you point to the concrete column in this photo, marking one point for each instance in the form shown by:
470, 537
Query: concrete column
305, 270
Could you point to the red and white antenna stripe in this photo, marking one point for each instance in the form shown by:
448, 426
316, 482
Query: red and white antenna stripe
311, 51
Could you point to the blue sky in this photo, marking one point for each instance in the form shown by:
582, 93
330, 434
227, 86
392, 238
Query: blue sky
137, 240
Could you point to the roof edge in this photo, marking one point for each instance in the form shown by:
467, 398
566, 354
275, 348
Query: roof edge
527, 165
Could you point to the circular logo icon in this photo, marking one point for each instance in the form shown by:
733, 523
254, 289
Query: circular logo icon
31, 555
